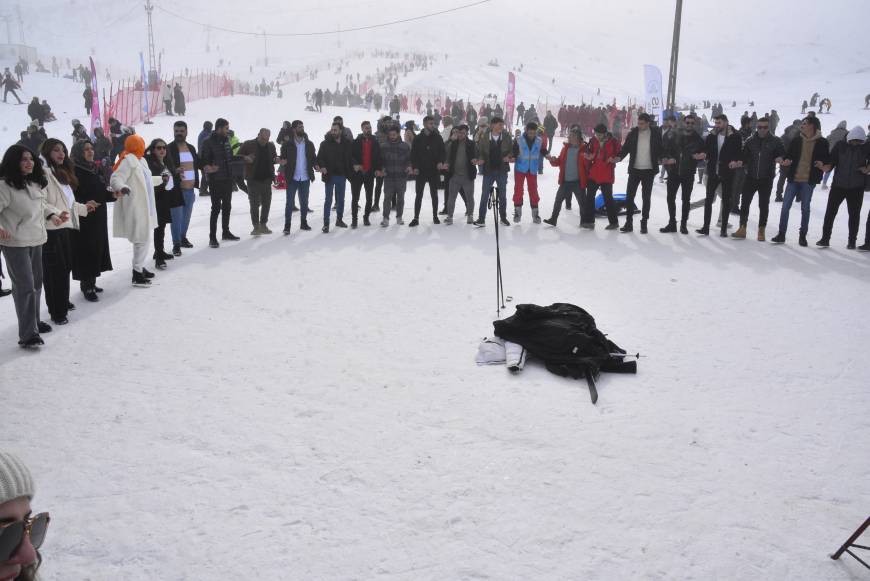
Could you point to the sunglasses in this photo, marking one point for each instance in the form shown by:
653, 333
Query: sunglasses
12, 535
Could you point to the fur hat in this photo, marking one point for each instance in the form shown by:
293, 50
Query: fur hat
15, 478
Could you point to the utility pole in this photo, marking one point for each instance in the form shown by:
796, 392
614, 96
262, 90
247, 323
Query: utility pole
265, 50
675, 52
152, 63
20, 24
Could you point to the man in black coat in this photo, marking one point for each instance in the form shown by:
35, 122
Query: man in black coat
427, 158
336, 165
724, 150
366, 153
682, 150
644, 150
299, 161
216, 155
761, 153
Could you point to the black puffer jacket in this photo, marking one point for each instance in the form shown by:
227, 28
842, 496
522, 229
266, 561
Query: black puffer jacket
759, 156
216, 150
681, 146
848, 160
335, 157
427, 151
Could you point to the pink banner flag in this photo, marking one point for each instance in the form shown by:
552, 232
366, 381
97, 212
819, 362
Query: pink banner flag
95, 99
510, 99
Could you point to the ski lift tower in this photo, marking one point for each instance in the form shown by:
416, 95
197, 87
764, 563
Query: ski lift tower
675, 52
153, 77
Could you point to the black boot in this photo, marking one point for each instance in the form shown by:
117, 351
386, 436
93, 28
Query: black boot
684, 229
629, 227
802, 238
176, 249
305, 225
159, 263
671, 227
550, 221
779, 238
643, 229
139, 279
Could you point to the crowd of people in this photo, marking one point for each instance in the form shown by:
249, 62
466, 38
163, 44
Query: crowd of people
53, 218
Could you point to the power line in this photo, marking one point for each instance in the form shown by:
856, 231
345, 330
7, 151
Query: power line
324, 32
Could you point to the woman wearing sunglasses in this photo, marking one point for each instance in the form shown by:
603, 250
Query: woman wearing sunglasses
21, 532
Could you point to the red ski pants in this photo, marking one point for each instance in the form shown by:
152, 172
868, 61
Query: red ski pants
519, 178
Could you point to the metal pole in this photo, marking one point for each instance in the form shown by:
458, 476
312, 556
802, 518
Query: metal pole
265, 50
675, 52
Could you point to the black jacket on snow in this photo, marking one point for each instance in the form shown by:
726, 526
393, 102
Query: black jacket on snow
427, 151
849, 159
357, 153
335, 157
470, 153
821, 152
732, 150
681, 146
759, 156
629, 148
565, 337
216, 150
288, 152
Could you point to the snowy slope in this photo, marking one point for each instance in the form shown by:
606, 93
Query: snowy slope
742, 50
308, 407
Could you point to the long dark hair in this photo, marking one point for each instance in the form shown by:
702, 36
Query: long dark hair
65, 172
151, 156
10, 168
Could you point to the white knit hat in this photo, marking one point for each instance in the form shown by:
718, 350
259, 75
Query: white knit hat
15, 478
856, 134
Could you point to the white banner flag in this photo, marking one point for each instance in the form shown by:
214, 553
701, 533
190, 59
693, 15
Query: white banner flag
652, 81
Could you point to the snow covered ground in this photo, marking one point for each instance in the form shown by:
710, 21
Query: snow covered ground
309, 408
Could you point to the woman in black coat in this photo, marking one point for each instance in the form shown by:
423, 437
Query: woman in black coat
91, 243
166, 196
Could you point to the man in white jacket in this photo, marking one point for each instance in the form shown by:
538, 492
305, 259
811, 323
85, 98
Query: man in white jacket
166, 97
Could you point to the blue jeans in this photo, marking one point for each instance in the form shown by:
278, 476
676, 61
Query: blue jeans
499, 178
805, 189
336, 183
181, 216
292, 187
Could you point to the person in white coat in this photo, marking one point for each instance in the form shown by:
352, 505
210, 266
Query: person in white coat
57, 251
166, 97
23, 216
135, 215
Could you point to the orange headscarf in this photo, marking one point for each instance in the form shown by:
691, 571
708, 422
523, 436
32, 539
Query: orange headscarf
133, 144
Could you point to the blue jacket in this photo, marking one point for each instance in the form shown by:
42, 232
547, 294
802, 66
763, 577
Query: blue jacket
529, 158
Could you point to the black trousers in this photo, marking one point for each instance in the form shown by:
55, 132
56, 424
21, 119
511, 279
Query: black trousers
221, 192
607, 192
644, 179
686, 184
713, 182
357, 183
854, 200
566, 190
763, 186
420, 187
56, 267
780, 183
159, 236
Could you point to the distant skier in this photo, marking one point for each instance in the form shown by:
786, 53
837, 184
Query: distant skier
9, 86
166, 97
88, 96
